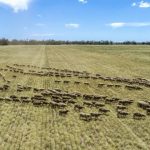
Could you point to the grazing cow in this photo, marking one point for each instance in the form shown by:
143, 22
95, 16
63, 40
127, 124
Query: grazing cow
8, 99
46, 93
66, 82
86, 83
97, 75
56, 97
1, 89
117, 85
39, 97
70, 101
63, 112
27, 88
35, 90
95, 115
57, 81
6, 87
133, 87
16, 99
77, 94
104, 110
80, 77
57, 100
26, 100
85, 117
138, 116
121, 107
77, 82
109, 101
122, 114
144, 105
24, 97
78, 107
125, 102
97, 97
69, 75
89, 104
94, 78
66, 97
53, 104
1, 98
73, 95
45, 103
148, 111
97, 105
8, 81
57, 105
88, 97
109, 85
64, 100
57, 90
37, 103
14, 76
62, 76
13, 96
86, 77
19, 90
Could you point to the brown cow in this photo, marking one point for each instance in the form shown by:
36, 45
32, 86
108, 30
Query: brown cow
122, 114
37, 103
86, 83
63, 112
104, 110
125, 102
66, 82
97, 105
89, 104
57, 81
78, 107
121, 107
143, 105
95, 115
85, 117
77, 82
148, 111
138, 116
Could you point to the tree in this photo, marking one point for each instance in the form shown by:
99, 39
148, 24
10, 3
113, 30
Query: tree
4, 41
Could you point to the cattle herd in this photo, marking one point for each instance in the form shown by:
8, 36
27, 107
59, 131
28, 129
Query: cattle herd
64, 101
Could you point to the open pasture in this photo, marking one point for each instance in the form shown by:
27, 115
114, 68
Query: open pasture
75, 97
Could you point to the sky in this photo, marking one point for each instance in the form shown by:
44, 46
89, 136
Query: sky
116, 20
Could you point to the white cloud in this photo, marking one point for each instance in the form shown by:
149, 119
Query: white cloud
130, 24
134, 4
142, 4
117, 24
72, 25
83, 1
17, 5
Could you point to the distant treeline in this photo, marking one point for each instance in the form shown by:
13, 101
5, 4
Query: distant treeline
4, 41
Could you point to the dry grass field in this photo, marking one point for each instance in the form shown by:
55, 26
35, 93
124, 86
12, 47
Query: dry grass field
69, 77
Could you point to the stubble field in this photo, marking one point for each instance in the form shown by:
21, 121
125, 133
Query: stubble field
74, 76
